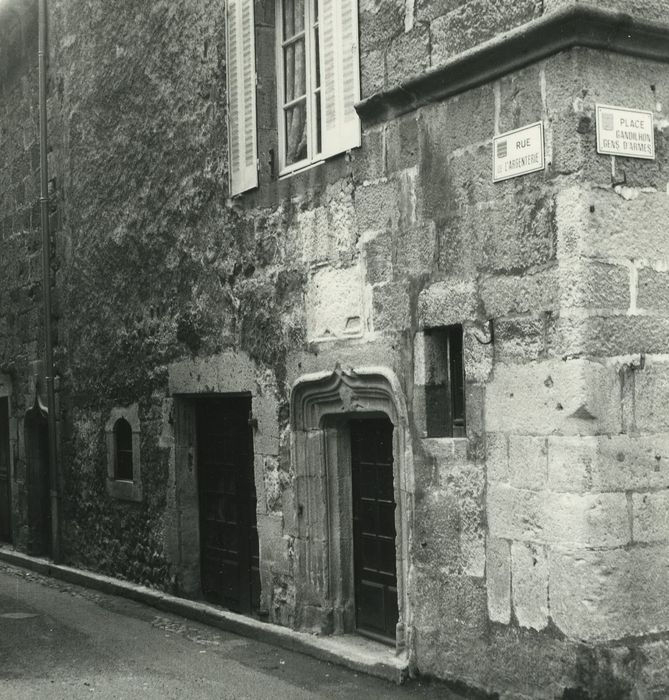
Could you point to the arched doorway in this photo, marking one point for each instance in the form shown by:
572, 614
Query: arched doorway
36, 436
5, 472
346, 424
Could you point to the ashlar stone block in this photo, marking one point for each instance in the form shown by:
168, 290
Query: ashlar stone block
327, 230
273, 545
611, 336
583, 520
594, 285
597, 224
528, 462
650, 519
608, 462
335, 304
651, 398
529, 584
478, 358
554, 396
592, 520
519, 340
390, 306
497, 457
377, 205
513, 294
609, 594
447, 302
498, 579
653, 290
570, 462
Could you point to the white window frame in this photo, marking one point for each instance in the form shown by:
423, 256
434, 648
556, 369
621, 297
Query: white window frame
313, 157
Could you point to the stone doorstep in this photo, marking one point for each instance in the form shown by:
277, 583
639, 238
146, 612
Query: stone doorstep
349, 650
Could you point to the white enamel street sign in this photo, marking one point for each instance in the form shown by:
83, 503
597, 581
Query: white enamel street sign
625, 132
518, 152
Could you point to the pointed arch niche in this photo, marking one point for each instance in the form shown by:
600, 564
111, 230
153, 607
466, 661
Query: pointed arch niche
322, 406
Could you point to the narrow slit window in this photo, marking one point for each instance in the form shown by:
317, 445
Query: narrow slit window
123, 468
444, 382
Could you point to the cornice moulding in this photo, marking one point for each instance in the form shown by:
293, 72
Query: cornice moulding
578, 26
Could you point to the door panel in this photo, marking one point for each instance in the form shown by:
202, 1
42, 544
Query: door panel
228, 530
374, 557
5, 485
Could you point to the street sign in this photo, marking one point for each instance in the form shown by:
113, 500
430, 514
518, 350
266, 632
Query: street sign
625, 132
518, 152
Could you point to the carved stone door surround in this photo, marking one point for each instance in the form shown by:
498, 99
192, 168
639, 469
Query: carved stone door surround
322, 405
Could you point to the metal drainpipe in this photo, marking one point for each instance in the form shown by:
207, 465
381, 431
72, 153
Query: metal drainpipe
46, 284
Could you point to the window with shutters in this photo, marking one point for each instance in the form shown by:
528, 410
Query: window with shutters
314, 73
317, 80
241, 93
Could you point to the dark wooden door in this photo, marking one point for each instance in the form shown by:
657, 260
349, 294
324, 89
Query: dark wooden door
5, 485
374, 560
228, 530
36, 435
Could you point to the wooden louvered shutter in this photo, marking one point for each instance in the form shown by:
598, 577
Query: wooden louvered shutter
340, 74
241, 71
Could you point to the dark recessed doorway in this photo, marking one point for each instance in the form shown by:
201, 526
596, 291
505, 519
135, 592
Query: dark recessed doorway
229, 552
5, 483
374, 556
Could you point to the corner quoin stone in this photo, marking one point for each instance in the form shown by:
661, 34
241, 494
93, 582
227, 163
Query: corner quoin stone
541, 398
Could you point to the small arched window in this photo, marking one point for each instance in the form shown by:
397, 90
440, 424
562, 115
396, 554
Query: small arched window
123, 450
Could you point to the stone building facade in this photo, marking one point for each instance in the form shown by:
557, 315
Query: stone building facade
480, 365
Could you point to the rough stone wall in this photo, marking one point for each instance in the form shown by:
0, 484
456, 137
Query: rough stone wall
21, 335
576, 439
504, 527
158, 266
456, 248
570, 267
404, 38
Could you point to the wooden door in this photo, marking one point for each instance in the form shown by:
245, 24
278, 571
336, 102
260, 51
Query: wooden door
36, 434
374, 558
5, 485
228, 531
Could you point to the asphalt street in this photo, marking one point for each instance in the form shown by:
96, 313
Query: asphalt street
61, 641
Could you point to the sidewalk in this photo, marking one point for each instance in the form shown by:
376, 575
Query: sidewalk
353, 652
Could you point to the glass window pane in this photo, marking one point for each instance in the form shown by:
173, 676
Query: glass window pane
293, 17
296, 132
294, 71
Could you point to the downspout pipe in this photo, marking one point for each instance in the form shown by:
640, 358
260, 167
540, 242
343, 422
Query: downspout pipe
46, 285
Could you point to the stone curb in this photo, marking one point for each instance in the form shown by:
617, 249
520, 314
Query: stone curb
346, 650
